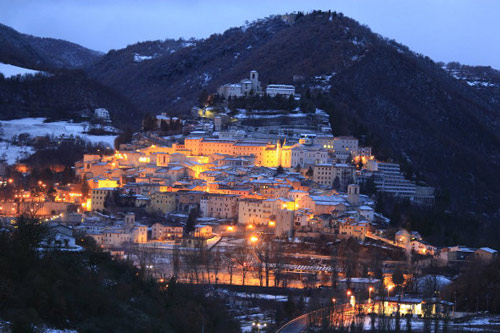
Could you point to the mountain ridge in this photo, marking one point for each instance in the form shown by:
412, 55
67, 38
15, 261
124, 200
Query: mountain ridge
409, 105
42, 53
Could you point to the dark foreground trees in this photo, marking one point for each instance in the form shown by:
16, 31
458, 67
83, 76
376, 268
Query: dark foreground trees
90, 292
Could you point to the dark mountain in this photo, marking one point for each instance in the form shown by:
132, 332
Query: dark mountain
42, 53
484, 79
272, 46
65, 94
420, 114
441, 125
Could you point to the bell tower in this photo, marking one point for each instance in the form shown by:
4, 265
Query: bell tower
353, 194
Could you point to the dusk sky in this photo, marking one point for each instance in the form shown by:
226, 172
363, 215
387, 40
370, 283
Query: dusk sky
445, 30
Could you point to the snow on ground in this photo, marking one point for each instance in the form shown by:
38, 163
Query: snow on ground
12, 153
277, 298
36, 127
10, 70
141, 58
267, 114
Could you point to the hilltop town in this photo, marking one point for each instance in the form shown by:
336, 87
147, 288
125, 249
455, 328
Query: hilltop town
250, 197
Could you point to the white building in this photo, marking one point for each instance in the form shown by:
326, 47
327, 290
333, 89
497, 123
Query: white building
303, 155
280, 89
345, 146
245, 87
101, 113
221, 206
393, 181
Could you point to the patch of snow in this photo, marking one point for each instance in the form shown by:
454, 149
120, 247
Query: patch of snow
188, 44
141, 58
357, 42
12, 153
36, 127
205, 78
479, 83
9, 71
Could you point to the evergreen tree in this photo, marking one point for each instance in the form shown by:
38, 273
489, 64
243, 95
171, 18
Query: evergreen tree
336, 184
309, 172
149, 123
191, 221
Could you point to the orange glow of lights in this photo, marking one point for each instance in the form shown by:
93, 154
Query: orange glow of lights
272, 224
349, 293
230, 228
254, 239
250, 226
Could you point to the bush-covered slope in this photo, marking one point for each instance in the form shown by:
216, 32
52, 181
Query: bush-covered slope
90, 292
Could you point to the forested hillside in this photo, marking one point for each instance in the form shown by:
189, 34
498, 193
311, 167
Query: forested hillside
42, 53
89, 292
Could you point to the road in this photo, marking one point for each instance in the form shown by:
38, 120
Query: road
296, 325
343, 316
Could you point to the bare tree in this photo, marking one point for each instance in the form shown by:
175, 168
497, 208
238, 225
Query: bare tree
230, 267
278, 263
192, 261
175, 260
206, 258
217, 262
242, 258
263, 254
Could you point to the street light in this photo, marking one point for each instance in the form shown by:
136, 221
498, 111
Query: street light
370, 289
389, 288
259, 325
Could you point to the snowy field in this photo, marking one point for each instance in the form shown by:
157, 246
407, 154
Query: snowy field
10, 70
36, 127
13, 153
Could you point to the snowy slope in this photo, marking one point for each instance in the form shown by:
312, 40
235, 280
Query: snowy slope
36, 127
10, 70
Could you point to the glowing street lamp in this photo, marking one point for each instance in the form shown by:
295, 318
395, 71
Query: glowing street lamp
389, 288
370, 289
259, 325
351, 298
254, 239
